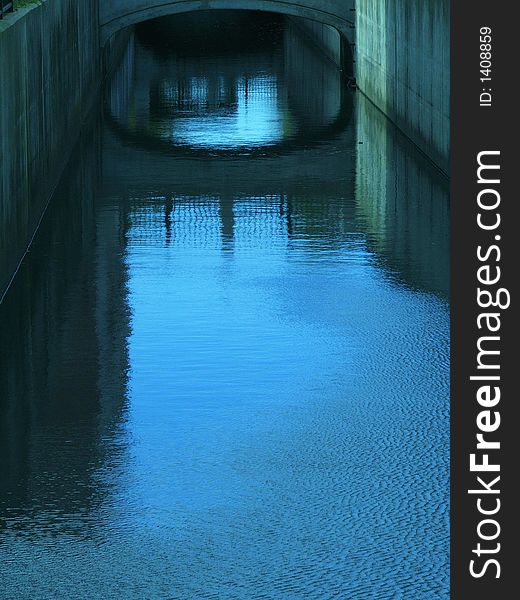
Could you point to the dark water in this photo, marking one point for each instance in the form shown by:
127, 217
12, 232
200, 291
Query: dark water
224, 363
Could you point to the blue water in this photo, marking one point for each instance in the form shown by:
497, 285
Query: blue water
224, 367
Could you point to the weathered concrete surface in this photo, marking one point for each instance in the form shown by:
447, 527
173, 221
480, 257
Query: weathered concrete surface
49, 65
116, 14
326, 37
403, 65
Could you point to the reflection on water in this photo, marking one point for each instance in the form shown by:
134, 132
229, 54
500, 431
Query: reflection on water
225, 375
210, 121
204, 100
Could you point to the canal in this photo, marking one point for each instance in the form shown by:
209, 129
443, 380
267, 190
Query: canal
224, 362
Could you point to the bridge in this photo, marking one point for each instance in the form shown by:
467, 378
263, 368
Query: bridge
400, 49
115, 15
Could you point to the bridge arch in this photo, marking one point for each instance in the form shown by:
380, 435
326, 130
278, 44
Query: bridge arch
118, 14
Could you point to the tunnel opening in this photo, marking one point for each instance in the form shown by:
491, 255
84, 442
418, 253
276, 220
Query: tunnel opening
229, 82
244, 30
228, 31
204, 32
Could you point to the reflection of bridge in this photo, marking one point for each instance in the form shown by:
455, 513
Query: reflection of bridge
117, 14
315, 169
400, 208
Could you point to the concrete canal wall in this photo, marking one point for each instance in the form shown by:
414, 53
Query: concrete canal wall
49, 70
403, 67
50, 75
326, 37
402, 64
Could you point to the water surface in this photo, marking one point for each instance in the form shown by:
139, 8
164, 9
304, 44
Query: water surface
224, 363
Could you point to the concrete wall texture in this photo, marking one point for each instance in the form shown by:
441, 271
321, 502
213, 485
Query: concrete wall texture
403, 66
116, 14
326, 37
48, 68
51, 71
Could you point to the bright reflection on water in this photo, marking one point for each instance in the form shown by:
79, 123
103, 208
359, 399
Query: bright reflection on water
252, 121
224, 364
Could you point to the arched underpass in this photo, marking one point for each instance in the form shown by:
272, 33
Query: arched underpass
401, 52
117, 14
159, 92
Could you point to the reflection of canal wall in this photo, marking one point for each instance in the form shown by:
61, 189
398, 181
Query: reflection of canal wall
402, 203
79, 348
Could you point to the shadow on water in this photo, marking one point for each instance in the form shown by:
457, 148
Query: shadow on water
63, 358
240, 285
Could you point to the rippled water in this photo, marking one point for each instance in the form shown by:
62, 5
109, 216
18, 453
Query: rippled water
224, 363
